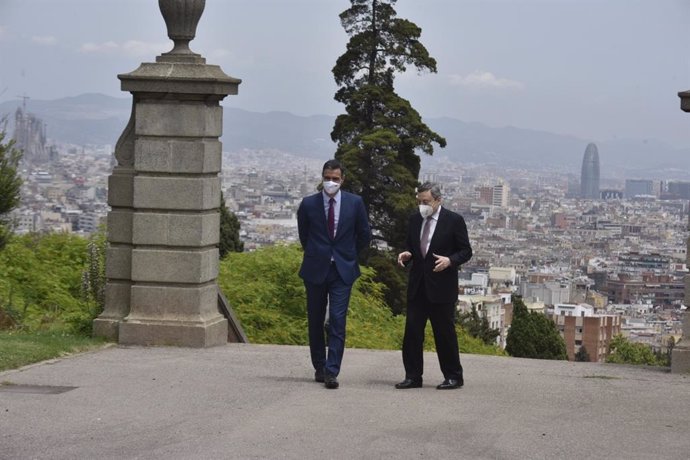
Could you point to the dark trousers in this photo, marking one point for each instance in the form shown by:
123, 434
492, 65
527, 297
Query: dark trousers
442, 317
335, 295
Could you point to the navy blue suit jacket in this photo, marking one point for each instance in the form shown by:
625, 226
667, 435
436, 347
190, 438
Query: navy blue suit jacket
450, 239
352, 235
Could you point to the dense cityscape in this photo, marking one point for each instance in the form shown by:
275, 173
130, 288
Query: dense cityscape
596, 259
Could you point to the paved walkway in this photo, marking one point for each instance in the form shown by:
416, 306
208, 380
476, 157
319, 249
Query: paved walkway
258, 401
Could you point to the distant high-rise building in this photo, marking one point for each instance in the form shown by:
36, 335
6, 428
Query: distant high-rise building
677, 189
500, 195
589, 179
638, 187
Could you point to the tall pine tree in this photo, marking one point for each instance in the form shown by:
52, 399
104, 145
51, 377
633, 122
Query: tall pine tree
10, 184
378, 136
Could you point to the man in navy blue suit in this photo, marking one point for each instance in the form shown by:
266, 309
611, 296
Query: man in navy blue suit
333, 228
437, 244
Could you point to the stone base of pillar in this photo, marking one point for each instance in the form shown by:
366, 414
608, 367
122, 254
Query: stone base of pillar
680, 360
174, 333
117, 300
106, 328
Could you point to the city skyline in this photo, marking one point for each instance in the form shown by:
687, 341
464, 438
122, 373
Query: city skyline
597, 70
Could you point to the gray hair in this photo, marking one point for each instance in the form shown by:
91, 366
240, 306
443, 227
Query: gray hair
432, 187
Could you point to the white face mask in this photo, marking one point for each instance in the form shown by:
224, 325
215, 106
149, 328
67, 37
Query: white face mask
331, 187
426, 210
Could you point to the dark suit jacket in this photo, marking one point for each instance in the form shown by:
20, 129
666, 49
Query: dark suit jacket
450, 239
352, 235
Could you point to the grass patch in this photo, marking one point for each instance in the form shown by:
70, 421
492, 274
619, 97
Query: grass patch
19, 349
603, 377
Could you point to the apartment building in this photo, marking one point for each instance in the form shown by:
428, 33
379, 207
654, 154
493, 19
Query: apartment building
662, 290
580, 327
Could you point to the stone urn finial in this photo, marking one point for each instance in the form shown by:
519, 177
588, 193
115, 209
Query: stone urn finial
181, 18
684, 101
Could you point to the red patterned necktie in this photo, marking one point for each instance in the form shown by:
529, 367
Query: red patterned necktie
425, 236
331, 218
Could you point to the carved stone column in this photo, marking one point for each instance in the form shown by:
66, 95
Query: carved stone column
163, 230
680, 357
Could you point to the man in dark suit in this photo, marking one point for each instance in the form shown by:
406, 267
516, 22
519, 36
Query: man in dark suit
333, 228
437, 244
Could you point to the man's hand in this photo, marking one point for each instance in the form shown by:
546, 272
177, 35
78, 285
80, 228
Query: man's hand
404, 257
442, 262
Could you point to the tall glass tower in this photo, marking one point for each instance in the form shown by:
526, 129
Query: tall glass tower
589, 179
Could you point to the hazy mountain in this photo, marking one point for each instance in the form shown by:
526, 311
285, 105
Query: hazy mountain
306, 136
99, 119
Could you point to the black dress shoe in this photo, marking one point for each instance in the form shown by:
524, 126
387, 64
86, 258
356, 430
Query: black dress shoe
331, 382
409, 383
318, 376
450, 384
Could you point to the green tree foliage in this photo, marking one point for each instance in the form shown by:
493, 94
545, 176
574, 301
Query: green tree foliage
380, 132
582, 355
229, 231
10, 183
41, 283
533, 335
625, 352
269, 299
478, 326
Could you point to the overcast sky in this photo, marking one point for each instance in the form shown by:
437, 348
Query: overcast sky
597, 69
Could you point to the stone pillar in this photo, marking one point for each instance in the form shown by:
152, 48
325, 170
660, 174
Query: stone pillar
118, 267
163, 229
680, 356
